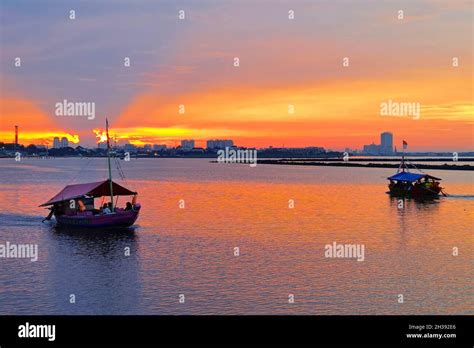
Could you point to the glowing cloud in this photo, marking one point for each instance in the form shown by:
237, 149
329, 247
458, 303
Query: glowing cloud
100, 135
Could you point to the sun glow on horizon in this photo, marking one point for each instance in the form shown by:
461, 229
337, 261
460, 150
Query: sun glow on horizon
38, 138
100, 135
290, 88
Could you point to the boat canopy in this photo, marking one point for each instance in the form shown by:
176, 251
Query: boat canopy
410, 177
93, 189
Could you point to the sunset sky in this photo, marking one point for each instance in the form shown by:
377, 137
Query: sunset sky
282, 62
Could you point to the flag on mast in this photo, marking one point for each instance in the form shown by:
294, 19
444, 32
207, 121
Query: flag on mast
405, 145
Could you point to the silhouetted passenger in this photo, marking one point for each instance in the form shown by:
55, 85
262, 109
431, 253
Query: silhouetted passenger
106, 209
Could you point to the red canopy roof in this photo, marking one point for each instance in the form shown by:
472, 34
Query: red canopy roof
94, 189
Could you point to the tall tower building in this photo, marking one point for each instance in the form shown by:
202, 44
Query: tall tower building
386, 143
187, 144
56, 143
64, 142
219, 144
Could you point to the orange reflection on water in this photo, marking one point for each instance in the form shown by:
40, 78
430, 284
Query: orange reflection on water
190, 250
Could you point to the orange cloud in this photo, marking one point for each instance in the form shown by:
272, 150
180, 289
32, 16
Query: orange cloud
333, 114
35, 127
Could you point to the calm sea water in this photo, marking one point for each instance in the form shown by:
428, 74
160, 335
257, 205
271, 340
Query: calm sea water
190, 251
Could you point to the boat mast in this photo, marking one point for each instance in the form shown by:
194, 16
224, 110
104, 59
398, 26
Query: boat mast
108, 160
403, 161
402, 165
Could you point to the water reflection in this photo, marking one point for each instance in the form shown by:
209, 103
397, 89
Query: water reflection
99, 267
111, 233
191, 250
419, 203
413, 213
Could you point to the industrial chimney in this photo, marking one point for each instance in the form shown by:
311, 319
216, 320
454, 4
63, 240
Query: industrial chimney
16, 137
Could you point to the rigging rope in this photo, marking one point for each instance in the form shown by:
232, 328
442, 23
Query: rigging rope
119, 169
416, 167
79, 171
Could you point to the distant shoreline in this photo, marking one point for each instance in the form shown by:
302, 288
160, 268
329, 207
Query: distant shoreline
323, 162
368, 165
375, 159
293, 159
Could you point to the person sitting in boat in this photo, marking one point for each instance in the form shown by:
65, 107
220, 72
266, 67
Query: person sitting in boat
418, 184
106, 209
429, 184
128, 206
82, 206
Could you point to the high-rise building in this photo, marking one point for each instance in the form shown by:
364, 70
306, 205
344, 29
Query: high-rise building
159, 147
219, 144
372, 149
130, 148
386, 143
56, 143
64, 142
187, 144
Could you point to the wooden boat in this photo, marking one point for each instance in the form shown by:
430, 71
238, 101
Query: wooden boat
417, 185
74, 205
